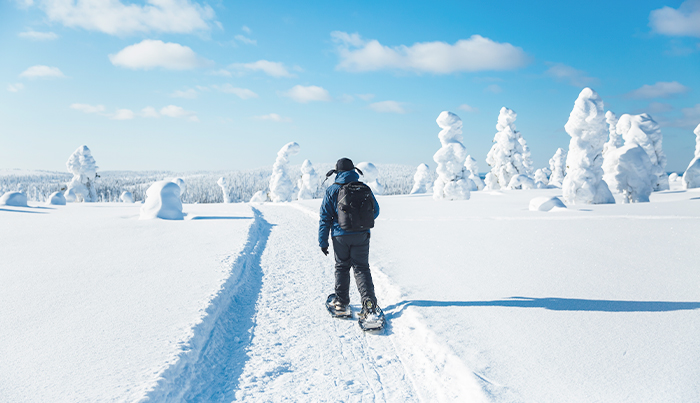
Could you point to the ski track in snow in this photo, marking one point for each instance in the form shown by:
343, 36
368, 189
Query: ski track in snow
268, 337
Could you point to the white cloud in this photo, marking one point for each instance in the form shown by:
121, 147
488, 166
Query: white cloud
273, 117
387, 107
221, 73
494, 89
302, 94
274, 69
149, 54
123, 114
577, 78
178, 112
187, 94
149, 112
88, 108
246, 30
116, 18
38, 36
365, 97
246, 40
659, 90
684, 21
468, 108
15, 87
474, 54
42, 72
242, 93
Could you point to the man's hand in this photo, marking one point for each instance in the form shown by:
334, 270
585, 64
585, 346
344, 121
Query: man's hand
325, 250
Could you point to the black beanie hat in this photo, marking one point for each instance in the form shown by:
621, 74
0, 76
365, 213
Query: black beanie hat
344, 164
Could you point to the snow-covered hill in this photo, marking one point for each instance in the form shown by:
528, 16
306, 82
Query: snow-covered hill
486, 301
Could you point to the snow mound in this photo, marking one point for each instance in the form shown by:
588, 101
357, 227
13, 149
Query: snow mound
370, 176
162, 201
422, 180
281, 185
259, 197
17, 199
546, 204
70, 196
584, 182
451, 183
57, 199
127, 197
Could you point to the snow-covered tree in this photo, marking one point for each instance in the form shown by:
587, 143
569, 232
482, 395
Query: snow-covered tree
541, 179
643, 131
451, 183
162, 201
584, 182
57, 199
370, 176
631, 173
127, 197
473, 172
82, 165
557, 165
521, 182
422, 180
510, 155
308, 184
281, 184
691, 177
491, 181
223, 184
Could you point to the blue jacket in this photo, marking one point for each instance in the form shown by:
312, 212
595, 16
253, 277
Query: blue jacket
329, 209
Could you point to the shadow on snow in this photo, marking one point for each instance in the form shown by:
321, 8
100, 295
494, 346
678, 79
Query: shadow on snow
553, 304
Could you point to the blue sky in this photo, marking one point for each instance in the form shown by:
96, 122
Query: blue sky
185, 85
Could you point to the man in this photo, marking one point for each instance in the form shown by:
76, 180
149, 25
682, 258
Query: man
351, 249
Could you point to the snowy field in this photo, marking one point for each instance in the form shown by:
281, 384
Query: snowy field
486, 301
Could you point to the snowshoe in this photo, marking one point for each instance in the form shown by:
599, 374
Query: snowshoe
336, 309
371, 317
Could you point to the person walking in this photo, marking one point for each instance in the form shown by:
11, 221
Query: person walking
350, 247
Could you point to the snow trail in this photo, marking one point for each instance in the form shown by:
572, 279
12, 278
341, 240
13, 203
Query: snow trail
208, 369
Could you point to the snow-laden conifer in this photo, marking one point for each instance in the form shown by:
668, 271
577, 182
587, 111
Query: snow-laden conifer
370, 176
584, 182
451, 183
509, 156
691, 177
557, 165
422, 180
127, 197
223, 184
281, 184
82, 165
541, 179
308, 184
473, 172
631, 173
643, 131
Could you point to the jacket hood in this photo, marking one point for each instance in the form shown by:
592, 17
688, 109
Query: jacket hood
347, 177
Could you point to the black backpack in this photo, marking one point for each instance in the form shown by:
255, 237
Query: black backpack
355, 207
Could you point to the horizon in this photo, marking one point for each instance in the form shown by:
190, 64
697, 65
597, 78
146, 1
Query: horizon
225, 87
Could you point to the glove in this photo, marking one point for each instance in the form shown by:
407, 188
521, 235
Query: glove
325, 250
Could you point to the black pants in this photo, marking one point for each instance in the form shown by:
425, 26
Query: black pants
353, 251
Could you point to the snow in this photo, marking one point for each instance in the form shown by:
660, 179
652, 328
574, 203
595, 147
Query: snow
17, 199
643, 131
451, 183
557, 164
584, 182
308, 184
370, 176
473, 169
259, 197
422, 180
510, 155
691, 177
541, 179
486, 301
521, 182
162, 201
632, 173
57, 199
546, 204
281, 185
